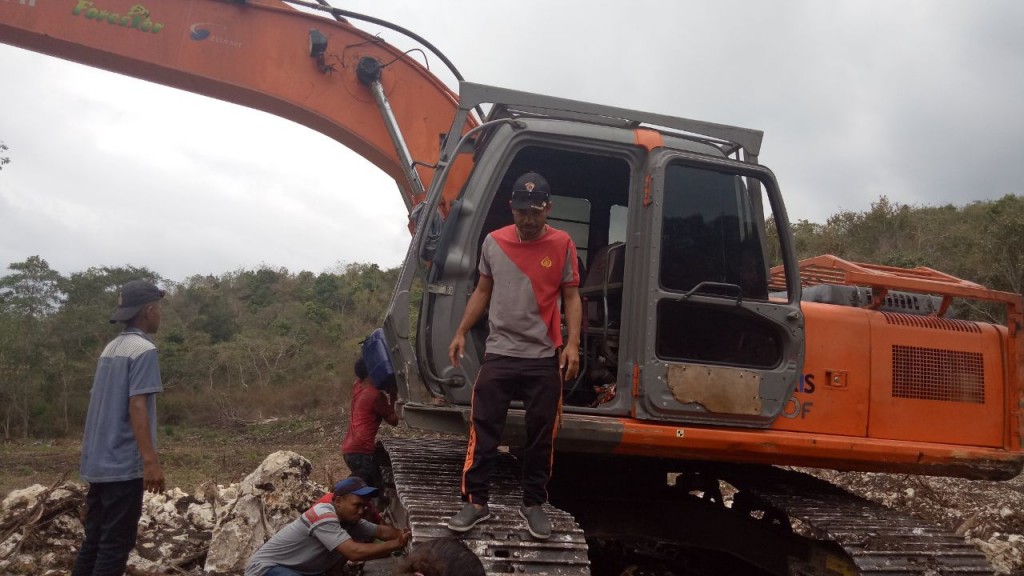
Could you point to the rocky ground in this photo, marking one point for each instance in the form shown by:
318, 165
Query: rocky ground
211, 529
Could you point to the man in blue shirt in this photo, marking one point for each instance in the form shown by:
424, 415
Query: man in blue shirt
119, 458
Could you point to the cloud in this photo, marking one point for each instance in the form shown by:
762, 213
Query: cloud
108, 170
919, 101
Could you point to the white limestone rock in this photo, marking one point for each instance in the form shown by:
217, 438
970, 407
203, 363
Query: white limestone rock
269, 498
21, 499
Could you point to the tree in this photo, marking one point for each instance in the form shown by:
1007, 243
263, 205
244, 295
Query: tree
4, 159
33, 288
16, 360
1002, 240
28, 297
262, 286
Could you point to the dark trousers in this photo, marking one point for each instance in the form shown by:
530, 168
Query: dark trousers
501, 380
112, 517
366, 467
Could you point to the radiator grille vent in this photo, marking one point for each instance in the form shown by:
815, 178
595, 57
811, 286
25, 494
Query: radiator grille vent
930, 374
931, 322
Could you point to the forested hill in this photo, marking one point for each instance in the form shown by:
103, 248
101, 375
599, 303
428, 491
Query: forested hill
268, 342
982, 242
242, 345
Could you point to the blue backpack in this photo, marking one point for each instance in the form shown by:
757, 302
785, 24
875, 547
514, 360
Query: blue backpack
378, 361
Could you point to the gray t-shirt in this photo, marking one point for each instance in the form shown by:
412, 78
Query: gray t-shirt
307, 545
128, 367
524, 314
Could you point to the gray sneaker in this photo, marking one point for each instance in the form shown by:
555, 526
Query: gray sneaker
536, 521
468, 517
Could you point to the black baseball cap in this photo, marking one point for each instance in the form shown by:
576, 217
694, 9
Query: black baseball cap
531, 191
132, 297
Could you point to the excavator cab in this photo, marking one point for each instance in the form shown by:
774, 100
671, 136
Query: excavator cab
670, 232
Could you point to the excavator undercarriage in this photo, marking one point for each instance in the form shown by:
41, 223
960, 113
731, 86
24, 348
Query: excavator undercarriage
614, 516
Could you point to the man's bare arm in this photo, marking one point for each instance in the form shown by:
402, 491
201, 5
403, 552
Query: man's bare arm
152, 472
475, 309
569, 359
360, 551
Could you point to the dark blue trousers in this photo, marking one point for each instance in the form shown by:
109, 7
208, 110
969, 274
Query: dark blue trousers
112, 517
366, 467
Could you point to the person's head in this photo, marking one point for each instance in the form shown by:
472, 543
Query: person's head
360, 369
350, 497
444, 556
531, 204
138, 306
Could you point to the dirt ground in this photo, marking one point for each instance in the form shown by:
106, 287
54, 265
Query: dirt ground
189, 457
991, 514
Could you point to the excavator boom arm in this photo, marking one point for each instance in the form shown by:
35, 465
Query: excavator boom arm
255, 53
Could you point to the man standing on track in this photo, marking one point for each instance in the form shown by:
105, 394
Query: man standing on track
526, 269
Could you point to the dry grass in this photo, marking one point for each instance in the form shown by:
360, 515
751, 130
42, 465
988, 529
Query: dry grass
191, 457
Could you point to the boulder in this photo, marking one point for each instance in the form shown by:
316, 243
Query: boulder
269, 498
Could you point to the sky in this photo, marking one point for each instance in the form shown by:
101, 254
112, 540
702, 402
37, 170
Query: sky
920, 101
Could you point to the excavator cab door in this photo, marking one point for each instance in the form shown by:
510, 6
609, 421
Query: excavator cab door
711, 344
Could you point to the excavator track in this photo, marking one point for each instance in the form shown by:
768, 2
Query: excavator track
879, 540
423, 477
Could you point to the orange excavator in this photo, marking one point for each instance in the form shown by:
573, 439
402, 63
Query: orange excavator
710, 368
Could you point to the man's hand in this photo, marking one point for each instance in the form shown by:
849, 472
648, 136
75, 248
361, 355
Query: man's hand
457, 348
394, 538
569, 363
153, 477
398, 543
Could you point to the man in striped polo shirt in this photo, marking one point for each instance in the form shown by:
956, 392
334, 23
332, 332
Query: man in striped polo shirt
328, 535
526, 270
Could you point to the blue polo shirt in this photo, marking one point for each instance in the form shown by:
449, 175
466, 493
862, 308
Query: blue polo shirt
128, 367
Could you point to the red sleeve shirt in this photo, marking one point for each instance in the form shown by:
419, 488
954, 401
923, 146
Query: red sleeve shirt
369, 408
